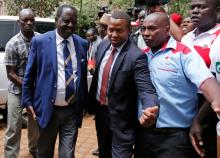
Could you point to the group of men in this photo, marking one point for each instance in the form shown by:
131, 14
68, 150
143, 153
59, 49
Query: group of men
146, 100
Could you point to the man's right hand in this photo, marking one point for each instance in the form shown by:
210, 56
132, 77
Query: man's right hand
31, 113
149, 116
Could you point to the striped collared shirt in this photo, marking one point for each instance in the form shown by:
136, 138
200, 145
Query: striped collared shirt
16, 54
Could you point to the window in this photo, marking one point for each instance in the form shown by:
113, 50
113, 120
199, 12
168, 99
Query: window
7, 30
43, 27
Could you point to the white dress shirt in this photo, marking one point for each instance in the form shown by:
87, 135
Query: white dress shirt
218, 127
61, 88
102, 65
140, 43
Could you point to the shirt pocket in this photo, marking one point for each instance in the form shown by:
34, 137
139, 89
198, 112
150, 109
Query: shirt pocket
22, 56
167, 76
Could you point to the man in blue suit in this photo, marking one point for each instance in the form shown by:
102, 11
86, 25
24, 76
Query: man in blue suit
55, 84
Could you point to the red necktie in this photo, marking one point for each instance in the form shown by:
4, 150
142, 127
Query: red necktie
105, 77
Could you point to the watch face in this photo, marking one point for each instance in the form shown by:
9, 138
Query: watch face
217, 67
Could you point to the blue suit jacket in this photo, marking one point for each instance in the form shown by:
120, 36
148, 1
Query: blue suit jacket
40, 79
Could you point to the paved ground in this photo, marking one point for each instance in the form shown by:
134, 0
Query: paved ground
86, 142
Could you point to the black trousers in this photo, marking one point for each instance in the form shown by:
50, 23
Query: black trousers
209, 130
171, 143
104, 134
107, 142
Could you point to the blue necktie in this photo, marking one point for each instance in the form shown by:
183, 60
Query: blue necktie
69, 77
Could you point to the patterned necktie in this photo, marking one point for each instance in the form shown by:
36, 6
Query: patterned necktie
105, 77
70, 90
89, 52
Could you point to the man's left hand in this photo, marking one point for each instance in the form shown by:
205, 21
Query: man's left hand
196, 138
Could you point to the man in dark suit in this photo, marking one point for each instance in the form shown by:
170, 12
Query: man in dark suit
121, 75
55, 84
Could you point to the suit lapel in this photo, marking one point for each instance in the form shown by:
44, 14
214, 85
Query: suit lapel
99, 58
53, 50
102, 53
118, 63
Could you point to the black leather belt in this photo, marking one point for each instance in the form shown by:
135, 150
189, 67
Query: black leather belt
167, 130
65, 106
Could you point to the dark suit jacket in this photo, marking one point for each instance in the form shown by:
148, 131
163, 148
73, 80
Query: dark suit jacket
129, 78
40, 79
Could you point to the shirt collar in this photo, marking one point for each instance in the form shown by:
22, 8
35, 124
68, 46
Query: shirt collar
209, 32
170, 44
138, 31
23, 37
120, 47
60, 39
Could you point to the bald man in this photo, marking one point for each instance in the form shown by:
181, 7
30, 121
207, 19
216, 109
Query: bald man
177, 73
16, 54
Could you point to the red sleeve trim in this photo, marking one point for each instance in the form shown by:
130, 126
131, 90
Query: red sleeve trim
182, 49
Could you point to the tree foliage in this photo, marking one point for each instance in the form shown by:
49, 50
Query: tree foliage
88, 9
87, 14
42, 8
179, 6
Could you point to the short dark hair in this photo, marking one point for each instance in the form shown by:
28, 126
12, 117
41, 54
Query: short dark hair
60, 9
25, 10
92, 30
118, 14
217, 3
